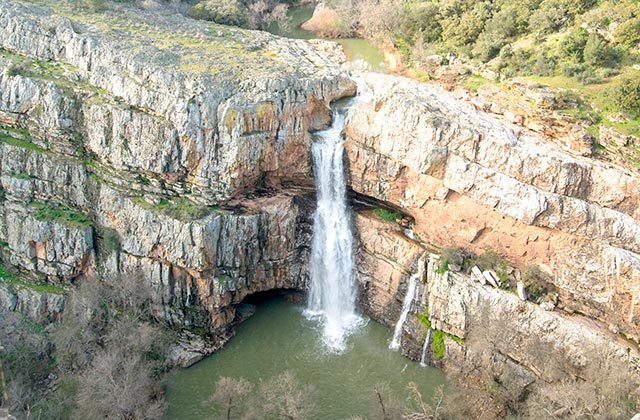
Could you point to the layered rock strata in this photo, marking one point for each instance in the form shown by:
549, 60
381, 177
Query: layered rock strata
457, 306
147, 144
471, 180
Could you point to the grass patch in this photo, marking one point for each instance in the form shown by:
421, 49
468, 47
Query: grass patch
437, 337
443, 266
473, 82
22, 175
437, 343
424, 318
387, 215
45, 211
180, 208
20, 143
12, 280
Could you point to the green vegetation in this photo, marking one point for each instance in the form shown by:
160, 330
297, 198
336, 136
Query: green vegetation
451, 259
108, 242
437, 337
20, 143
627, 94
536, 282
586, 46
491, 260
22, 175
443, 266
47, 211
202, 48
226, 12
178, 208
9, 278
387, 215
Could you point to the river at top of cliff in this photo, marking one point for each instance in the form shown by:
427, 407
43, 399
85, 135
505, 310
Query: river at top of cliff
356, 50
279, 338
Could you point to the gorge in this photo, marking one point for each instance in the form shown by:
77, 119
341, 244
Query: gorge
208, 163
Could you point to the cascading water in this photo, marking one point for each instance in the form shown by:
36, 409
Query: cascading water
406, 305
332, 292
425, 348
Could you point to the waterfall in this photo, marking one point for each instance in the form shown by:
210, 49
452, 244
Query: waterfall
332, 291
425, 349
406, 305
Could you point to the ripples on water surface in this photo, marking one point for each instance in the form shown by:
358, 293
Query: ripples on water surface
278, 338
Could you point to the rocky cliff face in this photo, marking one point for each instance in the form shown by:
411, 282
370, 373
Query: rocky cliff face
474, 181
456, 305
147, 144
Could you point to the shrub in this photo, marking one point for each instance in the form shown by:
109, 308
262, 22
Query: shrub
451, 258
627, 95
498, 30
465, 29
491, 260
573, 45
422, 19
628, 33
226, 12
598, 52
535, 281
588, 76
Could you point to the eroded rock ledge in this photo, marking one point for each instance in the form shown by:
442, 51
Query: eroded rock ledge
473, 181
147, 144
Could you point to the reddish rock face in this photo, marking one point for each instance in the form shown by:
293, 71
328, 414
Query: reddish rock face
470, 181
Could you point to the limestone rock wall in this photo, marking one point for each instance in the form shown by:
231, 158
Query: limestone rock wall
147, 144
455, 303
471, 180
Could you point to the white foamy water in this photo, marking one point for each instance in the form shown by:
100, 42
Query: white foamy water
332, 292
406, 306
425, 349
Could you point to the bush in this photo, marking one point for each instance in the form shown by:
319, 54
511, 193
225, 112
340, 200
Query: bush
598, 52
627, 95
499, 29
628, 33
421, 19
535, 281
588, 76
226, 12
573, 45
491, 260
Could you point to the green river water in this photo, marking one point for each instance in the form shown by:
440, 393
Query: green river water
278, 338
356, 50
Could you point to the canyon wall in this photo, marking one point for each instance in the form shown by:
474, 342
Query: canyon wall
147, 144
470, 180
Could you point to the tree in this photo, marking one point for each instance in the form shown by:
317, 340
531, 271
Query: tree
627, 95
284, 397
121, 381
386, 405
226, 12
598, 52
230, 396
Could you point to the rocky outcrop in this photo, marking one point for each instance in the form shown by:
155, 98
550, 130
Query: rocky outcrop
36, 303
456, 305
471, 180
147, 144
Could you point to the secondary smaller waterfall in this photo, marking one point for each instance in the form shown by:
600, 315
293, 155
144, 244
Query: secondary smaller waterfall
425, 348
406, 304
